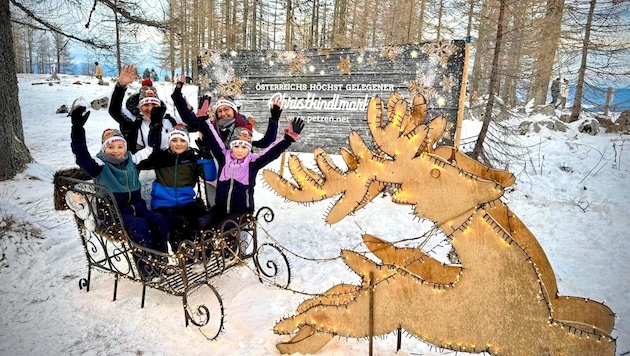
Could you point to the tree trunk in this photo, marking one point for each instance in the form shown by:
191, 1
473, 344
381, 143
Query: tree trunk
577, 100
481, 45
549, 37
494, 80
15, 153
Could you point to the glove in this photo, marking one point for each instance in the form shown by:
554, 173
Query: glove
275, 112
79, 116
157, 113
204, 151
155, 132
205, 105
295, 128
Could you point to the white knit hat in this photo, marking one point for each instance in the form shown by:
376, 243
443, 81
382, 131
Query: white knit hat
110, 136
179, 131
226, 102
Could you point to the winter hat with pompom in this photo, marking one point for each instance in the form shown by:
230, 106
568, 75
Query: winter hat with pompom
110, 136
243, 138
148, 95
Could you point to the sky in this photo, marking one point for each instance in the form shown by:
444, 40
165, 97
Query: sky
571, 192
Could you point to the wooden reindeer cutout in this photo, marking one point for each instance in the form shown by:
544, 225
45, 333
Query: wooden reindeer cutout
503, 299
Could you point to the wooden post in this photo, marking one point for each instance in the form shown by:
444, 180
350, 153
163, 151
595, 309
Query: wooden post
282, 160
609, 98
462, 96
371, 312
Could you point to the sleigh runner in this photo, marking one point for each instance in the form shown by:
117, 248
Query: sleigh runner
186, 272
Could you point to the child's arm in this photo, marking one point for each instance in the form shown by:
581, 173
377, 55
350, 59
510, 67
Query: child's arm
188, 117
272, 127
275, 150
212, 139
78, 144
149, 157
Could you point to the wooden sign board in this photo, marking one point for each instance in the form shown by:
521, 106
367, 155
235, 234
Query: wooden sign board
330, 88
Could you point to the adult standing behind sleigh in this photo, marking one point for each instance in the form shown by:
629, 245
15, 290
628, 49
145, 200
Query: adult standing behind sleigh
135, 129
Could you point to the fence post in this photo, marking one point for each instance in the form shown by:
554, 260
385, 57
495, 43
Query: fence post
371, 312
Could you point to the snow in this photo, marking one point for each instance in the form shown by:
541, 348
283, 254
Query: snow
579, 217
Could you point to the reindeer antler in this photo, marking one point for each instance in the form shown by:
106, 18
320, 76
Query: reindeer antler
400, 159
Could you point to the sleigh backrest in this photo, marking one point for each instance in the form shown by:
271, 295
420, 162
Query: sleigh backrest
93, 206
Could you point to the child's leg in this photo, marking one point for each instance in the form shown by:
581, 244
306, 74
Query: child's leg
138, 230
158, 230
175, 235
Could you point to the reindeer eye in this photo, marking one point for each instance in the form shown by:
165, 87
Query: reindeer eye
435, 173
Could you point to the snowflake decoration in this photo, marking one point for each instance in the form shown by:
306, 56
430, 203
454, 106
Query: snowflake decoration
232, 88
414, 87
205, 59
360, 50
286, 57
440, 51
391, 52
429, 92
298, 64
324, 52
448, 82
345, 65
371, 61
204, 81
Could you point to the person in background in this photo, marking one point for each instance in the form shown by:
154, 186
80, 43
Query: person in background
98, 73
146, 74
115, 168
555, 91
564, 93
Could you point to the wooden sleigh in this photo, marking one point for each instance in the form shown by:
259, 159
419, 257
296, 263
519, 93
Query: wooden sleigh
185, 272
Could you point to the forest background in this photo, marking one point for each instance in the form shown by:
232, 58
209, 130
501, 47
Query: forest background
539, 40
516, 46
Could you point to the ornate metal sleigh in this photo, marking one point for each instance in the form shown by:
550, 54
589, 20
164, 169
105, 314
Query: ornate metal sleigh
108, 248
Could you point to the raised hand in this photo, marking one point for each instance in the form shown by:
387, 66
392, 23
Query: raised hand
79, 116
296, 125
127, 74
295, 128
157, 113
276, 109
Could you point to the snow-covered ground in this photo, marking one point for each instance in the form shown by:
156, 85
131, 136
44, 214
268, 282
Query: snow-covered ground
572, 194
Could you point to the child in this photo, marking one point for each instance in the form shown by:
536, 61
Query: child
238, 168
115, 168
178, 169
